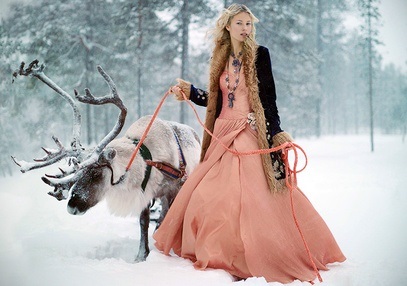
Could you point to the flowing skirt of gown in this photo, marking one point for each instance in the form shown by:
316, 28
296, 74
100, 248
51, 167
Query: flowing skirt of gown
225, 216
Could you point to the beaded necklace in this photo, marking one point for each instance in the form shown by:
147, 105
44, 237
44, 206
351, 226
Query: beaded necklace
237, 64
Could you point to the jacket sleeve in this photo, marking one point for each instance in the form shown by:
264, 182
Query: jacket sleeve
267, 92
199, 96
196, 95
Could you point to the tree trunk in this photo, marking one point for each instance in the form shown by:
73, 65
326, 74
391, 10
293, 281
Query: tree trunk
184, 56
139, 56
88, 67
318, 101
370, 75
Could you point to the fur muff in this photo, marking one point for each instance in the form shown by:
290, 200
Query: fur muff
185, 87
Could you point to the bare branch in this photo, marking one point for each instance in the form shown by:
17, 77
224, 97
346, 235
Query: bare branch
91, 45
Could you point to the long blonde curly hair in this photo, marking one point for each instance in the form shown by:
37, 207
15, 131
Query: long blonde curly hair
220, 56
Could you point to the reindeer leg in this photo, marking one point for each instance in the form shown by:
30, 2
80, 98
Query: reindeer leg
164, 209
166, 202
144, 250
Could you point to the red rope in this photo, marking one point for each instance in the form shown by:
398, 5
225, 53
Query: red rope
291, 173
143, 137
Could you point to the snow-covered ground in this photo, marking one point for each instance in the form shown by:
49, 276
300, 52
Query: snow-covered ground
361, 195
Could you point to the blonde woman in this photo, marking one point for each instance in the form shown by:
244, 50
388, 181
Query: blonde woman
233, 212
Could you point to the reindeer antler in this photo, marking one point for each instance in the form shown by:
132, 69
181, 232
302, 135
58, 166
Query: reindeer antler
113, 98
77, 157
36, 70
61, 182
51, 157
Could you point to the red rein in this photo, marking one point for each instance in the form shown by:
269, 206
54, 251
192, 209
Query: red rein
291, 179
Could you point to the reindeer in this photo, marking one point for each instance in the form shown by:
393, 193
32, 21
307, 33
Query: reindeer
97, 174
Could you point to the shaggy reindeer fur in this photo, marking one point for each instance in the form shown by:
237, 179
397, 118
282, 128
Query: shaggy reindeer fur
127, 197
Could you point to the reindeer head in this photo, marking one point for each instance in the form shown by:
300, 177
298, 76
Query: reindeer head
91, 186
86, 174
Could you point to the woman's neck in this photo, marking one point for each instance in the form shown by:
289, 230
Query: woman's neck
236, 47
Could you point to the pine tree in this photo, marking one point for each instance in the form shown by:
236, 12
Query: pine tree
371, 16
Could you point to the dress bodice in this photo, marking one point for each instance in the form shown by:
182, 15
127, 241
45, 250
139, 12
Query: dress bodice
241, 106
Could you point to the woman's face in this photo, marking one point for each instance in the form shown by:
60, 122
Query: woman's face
240, 27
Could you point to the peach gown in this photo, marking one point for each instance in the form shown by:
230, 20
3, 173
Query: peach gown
225, 216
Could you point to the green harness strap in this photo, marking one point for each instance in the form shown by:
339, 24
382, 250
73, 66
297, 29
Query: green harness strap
146, 154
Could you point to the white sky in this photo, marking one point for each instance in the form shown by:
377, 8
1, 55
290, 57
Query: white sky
393, 33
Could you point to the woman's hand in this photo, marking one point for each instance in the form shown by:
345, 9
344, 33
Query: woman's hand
176, 90
281, 138
180, 89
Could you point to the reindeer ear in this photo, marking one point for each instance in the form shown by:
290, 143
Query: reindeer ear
107, 156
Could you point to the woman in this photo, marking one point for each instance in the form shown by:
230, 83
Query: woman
233, 212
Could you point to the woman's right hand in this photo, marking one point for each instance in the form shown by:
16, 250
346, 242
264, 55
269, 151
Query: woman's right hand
181, 89
176, 90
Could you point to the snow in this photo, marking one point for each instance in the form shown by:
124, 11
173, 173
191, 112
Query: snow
361, 195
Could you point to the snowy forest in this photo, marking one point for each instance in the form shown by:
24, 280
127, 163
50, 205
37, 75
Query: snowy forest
330, 79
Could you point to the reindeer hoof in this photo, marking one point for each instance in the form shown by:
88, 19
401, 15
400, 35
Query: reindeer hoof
142, 255
140, 259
